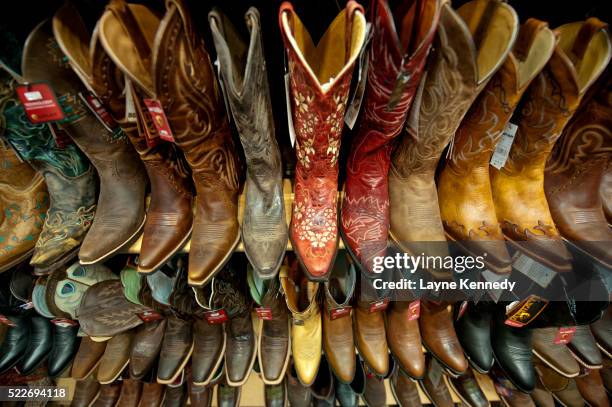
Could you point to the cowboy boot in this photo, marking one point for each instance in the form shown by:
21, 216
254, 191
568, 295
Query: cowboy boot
243, 72
169, 216
338, 342
70, 182
454, 79
320, 78
306, 330
24, 200
549, 103
605, 192
370, 337
120, 213
464, 188
404, 339
365, 206
574, 172
202, 132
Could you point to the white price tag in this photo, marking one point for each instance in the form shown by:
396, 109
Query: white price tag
502, 150
289, 111
537, 272
130, 108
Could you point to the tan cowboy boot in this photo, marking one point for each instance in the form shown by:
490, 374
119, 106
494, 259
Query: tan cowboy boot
551, 100
464, 188
471, 44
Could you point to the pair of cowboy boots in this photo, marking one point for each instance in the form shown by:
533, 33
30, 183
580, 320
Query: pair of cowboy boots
167, 61
575, 171
169, 215
464, 188
395, 63
319, 80
470, 46
120, 212
580, 56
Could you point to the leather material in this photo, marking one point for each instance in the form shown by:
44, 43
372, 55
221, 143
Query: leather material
120, 213
65, 346
202, 132
370, 337
85, 392
404, 339
104, 310
243, 72
345, 395
38, 298
116, 357
439, 336
474, 332
200, 396
575, 170
338, 342
175, 396
512, 351
322, 388
602, 331
40, 343
208, 352
306, 327
298, 394
87, 358
320, 77
169, 215
146, 346
25, 197
404, 389
228, 396
434, 385
516, 398
15, 343
109, 394
584, 348
457, 74
464, 188
365, 205
468, 390
275, 395
273, 343
550, 101
153, 395
605, 192
359, 381
176, 348
564, 390
541, 396
556, 356
592, 389
130, 393
375, 394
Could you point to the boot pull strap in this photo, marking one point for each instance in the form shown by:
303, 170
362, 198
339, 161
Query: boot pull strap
588, 30
144, 127
286, 8
128, 22
527, 35
351, 8
483, 21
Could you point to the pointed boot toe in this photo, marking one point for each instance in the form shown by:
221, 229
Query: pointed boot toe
211, 248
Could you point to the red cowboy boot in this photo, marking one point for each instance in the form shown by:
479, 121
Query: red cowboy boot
320, 80
395, 64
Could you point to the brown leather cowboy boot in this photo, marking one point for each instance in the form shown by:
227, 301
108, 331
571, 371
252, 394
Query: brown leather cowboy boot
551, 100
243, 72
320, 77
404, 339
458, 72
464, 187
185, 84
120, 213
574, 173
169, 216
396, 58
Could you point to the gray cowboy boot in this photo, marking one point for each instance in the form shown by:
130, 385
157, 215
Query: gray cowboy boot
243, 75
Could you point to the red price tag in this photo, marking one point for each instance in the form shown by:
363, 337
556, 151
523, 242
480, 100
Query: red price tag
98, 109
414, 310
5, 321
565, 335
40, 103
150, 316
264, 313
340, 312
379, 305
159, 119
64, 322
216, 317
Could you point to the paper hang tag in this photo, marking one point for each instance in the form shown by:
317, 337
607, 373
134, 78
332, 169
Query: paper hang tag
489, 276
289, 111
565, 335
216, 317
64, 322
525, 311
40, 103
5, 321
355, 101
379, 305
462, 308
502, 150
130, 107
158, 117
97, 108
537, 272
264, 313
150, 316
61, 138
414, 310
27, 305
339, 312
